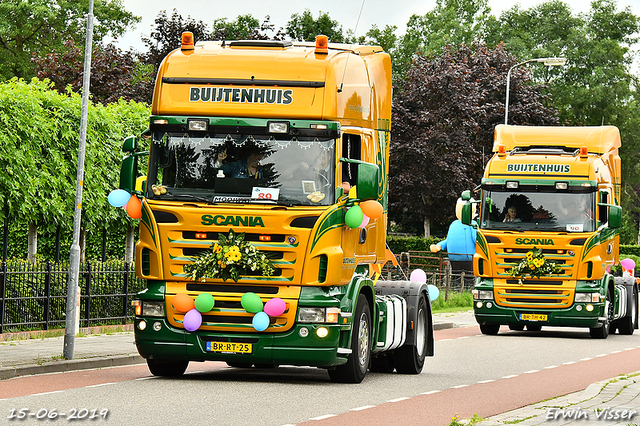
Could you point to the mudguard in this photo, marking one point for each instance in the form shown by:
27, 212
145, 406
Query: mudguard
411, 291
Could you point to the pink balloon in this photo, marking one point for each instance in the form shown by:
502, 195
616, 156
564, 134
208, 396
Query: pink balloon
192, 320
418, 275
365, 221
275, 307
628, 264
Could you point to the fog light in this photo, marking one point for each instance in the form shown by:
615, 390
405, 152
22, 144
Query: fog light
198, 125
589, 308
157, 325
478, 304
278, 127
322, 332
579, 308
142, 325
304, 332
489, 304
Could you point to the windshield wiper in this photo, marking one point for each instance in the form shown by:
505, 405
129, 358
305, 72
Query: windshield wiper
191, 197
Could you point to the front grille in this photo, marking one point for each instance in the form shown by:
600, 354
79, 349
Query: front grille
215, 288
536, 282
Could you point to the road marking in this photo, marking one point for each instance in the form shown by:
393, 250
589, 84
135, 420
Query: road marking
430, 392
398, 399
487, 381
146, 378
629, 349
100, 384
551, 366
586, 359
510, 377
46, 393
364, 407
459, 386
601, 355
616, 352
326, 416
530, 371
569, 363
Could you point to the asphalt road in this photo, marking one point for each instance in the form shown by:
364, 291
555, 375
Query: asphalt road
471, 373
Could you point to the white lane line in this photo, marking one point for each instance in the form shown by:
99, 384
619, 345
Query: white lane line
364, 407
616, 352
430, 392
510, 377
569, 363
530, 371
487, 381
326, 416
46, 393
100, 384
459, 386
601, 355
586, 359
398, 399
550, 367
146, 378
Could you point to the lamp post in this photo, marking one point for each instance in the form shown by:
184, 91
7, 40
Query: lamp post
550, 62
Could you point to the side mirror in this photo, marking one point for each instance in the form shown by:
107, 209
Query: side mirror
615, 217
367, 179
130, 144
129, 172
467, 213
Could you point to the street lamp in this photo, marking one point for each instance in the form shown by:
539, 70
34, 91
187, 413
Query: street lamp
550, 62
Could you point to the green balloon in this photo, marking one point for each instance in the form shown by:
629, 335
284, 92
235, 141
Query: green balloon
204, 302
353, 218
251, 302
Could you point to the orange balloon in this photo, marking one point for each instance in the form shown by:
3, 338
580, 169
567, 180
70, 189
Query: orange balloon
183, 302
371, 208
134, 207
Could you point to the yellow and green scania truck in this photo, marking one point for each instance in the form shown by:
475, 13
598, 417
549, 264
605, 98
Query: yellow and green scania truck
548, 233
276, 142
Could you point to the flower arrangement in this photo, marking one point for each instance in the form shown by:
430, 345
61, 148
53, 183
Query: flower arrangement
535, 265
230, 258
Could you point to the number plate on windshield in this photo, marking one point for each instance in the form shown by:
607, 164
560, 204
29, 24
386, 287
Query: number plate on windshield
229, 347
533, 317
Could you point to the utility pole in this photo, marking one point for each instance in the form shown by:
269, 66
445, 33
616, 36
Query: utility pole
74, 256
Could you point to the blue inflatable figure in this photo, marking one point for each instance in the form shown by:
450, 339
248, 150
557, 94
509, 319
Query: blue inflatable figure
460, 242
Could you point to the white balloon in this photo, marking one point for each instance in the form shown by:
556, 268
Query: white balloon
418, 275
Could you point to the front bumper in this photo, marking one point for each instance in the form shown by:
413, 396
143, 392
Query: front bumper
288, 348
576, 315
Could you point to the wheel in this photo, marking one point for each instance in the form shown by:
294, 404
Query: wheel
383, 363
602, 332
167, 368
534, 327
516, 327
235, 364
628, 324
358, 361
409, 359
491, 329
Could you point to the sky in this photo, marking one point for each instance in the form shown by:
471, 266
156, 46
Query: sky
346, 12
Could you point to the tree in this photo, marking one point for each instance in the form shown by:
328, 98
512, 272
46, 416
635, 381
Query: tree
304, 28
114, 74
42, 26
245, 27
442, 125
451, 22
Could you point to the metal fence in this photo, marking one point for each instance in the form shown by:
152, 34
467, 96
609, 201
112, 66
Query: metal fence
33, 296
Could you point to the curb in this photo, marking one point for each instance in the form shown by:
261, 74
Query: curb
70, 365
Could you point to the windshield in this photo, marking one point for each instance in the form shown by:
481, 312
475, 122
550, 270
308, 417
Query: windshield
243, 168
540, 211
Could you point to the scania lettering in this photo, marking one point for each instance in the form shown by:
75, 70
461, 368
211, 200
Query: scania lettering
564, 184
276, 141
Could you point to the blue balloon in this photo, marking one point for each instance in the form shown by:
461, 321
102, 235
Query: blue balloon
260, 321
118, 197
433, 292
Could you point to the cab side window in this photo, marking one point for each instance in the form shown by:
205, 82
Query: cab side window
351, 148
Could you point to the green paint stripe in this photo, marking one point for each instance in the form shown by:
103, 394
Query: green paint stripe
195, 243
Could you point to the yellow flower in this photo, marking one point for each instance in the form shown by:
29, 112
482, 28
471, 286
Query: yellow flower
529, 256
222, 264
539, 262
217, 248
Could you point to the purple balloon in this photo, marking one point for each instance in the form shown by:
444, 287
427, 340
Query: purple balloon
418, 275
275, 307
192, 320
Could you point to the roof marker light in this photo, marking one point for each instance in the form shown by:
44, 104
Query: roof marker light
187, 41
322, 44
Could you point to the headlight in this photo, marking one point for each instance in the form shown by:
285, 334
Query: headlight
587, 297
152, 308
482, 294
318, 315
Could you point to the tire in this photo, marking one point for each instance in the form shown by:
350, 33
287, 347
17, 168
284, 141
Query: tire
409, 359
358, 361
628, 324
516, 327
534, 327
167, 368
383, 363
490, 329
602, 332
